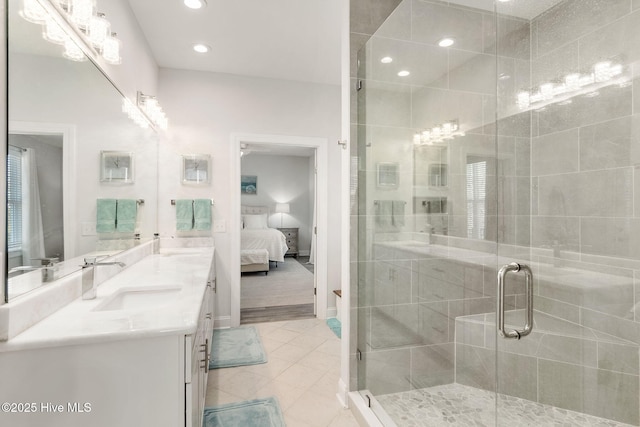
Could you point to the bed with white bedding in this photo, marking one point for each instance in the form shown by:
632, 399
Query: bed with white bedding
268, 238
256, 237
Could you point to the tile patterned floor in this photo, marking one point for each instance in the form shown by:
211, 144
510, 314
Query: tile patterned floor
458, 405
302, 371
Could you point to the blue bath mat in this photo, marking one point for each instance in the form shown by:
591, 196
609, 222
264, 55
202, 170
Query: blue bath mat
335, 325
253, 413
236, 347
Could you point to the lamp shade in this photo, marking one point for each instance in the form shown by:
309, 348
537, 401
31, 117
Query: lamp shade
282, 207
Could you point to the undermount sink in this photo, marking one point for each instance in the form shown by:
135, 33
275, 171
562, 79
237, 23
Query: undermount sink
140, 298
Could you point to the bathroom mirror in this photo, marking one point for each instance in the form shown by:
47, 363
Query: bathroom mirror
62, 114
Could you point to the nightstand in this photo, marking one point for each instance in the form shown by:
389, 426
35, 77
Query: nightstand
292, 240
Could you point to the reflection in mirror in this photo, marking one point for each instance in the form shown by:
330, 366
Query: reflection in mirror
59, 123
34, 201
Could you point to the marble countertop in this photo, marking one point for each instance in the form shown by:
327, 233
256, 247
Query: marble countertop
79, 322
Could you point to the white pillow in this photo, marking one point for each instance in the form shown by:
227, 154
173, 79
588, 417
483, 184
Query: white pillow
255, 221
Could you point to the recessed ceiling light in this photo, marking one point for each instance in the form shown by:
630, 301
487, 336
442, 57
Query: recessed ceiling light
503, 1
195, 4
446, 42
386, 60
201, 48
403, 73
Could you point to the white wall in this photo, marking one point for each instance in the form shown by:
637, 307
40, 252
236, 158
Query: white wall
204, 109
78, 95
282, 179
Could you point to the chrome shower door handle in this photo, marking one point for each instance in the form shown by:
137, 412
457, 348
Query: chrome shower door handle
528, 327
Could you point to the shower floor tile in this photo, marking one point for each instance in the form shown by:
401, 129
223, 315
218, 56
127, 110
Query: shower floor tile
459, 405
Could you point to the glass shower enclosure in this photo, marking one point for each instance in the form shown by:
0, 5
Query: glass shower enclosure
497, 214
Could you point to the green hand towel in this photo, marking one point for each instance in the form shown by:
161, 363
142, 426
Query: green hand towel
202, 214
106, 216
184, 214
126, 214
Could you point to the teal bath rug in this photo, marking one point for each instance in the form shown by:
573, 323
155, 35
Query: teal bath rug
335, 325
236, 347
251, 413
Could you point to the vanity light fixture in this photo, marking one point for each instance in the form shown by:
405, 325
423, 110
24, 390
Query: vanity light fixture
79, 17
195, 4
602, 74
446, 42
387, 60
111, 48
151, 108
403, 73
438, 134
134, 113
201, 48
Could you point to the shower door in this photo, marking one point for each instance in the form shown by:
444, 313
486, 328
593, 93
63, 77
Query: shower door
512, 142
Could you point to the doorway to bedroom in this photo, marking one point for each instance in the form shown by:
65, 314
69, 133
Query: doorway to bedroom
277, 242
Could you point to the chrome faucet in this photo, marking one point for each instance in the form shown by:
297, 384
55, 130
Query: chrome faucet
89, 286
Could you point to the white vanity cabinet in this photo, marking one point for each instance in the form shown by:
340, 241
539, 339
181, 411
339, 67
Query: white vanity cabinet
197, 352
84, 367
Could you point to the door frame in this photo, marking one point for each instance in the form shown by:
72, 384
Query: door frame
320, 145
68, 133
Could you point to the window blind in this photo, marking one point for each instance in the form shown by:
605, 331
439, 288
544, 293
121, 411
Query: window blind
14, 199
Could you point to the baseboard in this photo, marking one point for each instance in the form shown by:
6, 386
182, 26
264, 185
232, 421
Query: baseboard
222, 322
304, 253
332, 312
343, 394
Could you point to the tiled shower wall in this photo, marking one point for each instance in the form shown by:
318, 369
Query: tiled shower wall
565, 193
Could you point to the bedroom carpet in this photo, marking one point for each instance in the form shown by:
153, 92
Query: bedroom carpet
288, 284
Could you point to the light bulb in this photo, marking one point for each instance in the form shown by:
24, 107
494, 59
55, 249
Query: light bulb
195, 4
53, 32
81, 12
111, 50
446, 42
73, 52
98, 31
201, 48
32, 11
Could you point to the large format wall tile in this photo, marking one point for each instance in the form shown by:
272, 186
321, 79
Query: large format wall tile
367, 15
386, 371
607, 145
618, 41
611, 102
556, 153
513, 36
593, 391
571, 19
432, 365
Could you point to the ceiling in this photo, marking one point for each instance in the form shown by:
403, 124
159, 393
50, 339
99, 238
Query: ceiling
282, 39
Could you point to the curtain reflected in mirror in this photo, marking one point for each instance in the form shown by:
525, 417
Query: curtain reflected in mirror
35, 230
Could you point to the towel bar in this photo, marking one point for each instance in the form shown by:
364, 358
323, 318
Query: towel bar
173, 202
375, 202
